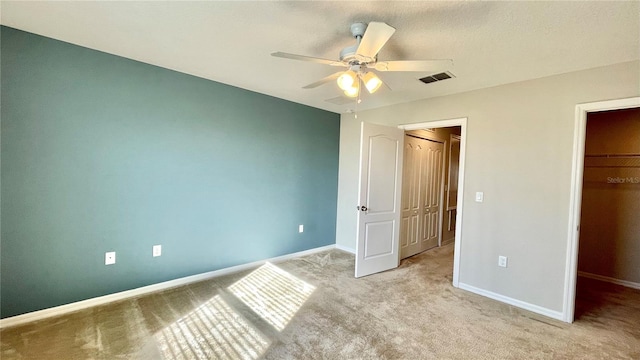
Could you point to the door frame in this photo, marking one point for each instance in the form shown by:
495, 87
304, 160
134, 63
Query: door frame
462, 122
575, 195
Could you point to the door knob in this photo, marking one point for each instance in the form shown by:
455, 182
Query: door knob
362, 208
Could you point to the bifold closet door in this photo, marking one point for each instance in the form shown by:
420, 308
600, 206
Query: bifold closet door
421, 195
412, 188
432, 189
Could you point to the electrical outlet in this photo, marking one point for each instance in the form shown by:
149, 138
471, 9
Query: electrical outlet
502, 261
110, 258
157, 250
300, 228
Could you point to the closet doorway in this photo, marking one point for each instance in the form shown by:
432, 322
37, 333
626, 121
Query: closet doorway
429, 189
598, 170
609, 251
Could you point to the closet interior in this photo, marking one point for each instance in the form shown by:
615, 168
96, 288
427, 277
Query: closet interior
609, 245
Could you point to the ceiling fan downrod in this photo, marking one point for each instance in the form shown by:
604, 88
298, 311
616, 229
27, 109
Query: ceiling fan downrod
349, 54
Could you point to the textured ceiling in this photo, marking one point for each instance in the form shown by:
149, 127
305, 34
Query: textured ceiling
491, 43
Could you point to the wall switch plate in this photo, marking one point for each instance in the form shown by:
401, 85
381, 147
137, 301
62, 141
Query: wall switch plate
300, 228
110, 258
502, 261
157, 250
479, 196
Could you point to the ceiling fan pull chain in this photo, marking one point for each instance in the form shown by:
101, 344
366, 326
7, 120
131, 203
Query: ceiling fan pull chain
357, 97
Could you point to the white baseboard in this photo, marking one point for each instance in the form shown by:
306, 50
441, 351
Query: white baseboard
448, 241
346, 249
101, 300
631, 284
511, 301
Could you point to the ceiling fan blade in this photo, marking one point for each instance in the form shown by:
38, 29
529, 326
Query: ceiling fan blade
384, 83
306, 58
376, 35
341, 100
414, 65
323, 81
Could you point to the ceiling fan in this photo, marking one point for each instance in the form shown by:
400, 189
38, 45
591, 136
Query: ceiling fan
362, 58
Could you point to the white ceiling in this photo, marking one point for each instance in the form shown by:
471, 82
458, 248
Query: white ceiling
491, 43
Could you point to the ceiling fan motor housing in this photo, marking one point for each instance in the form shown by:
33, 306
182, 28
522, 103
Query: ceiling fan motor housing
358, 29
349, 54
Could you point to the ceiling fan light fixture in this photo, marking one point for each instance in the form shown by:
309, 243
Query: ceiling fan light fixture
371, 82
352, 91
346, 80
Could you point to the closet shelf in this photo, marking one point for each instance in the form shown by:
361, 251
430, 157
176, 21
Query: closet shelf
613, 156
612, 161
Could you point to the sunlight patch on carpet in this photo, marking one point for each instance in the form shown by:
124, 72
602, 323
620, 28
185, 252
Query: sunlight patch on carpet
211, 331
272, 293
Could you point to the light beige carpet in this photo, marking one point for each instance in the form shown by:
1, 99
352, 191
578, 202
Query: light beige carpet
313, 308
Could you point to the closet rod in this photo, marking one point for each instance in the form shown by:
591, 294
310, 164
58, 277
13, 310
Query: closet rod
424, 138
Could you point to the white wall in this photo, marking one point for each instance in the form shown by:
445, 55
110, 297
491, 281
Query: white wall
519, 152
348, 163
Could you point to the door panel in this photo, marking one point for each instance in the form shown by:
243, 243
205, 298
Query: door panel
414, 236
433, 190
377, 235
381, 176
404, 229
411, 196
379, 199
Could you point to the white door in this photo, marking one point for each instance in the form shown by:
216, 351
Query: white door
412, 194
433, 170
379, 199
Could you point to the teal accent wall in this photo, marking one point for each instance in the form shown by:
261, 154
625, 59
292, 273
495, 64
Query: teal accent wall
102, 153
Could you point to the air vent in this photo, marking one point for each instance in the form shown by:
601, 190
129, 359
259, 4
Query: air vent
437, 77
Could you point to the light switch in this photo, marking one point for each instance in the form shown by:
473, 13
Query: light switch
479, 196
502, 261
